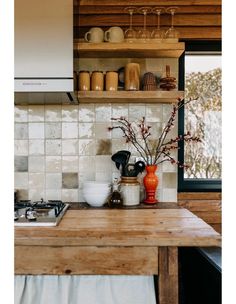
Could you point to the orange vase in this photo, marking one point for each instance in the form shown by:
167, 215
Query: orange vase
150, 182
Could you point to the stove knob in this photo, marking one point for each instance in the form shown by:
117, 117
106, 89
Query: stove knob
31, 215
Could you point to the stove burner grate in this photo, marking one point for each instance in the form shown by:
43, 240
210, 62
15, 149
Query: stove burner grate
56, 205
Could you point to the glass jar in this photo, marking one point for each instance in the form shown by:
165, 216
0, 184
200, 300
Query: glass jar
111, 81
130, 191
84, 81
97, 81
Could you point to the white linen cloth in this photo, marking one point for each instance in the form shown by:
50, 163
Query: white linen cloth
84, 289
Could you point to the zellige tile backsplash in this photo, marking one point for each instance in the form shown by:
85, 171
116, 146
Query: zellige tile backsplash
59, 147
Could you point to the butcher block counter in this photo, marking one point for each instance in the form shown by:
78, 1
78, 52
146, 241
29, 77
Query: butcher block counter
114, 241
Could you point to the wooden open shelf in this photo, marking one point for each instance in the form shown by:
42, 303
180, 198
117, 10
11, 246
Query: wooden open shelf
127, 50
129, 96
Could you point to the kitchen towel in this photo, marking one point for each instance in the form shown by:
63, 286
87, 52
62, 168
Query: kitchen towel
84, 289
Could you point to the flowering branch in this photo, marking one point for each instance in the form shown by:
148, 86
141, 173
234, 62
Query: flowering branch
163, 148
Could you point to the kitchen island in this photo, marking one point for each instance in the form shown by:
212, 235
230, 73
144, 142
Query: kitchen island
114, 241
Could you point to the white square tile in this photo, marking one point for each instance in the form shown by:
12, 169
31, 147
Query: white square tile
36, 194
53, 194
103, 176
86, 163
53, 164
36, 180
81, 198
36, 147
21, 180
53, 130
70, 195
86, 147
21, 147
86, 176
53, 113
169, 195
102, 131
69, 146
167, 109
154, 113
53, 180
86, 113
36, 130
119, 144
36, 113
69, 113
103, 163
136, 112
70, 130
36, 164
21, 131
86, 130
169, 180
120, 110
53, 147
70, 163
103, 113
155, 130
21, 114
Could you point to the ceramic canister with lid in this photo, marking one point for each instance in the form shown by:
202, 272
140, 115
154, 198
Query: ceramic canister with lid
130, 191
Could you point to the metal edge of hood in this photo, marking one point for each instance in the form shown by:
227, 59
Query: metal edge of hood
44, 85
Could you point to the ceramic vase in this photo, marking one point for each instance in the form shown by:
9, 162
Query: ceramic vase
150, 182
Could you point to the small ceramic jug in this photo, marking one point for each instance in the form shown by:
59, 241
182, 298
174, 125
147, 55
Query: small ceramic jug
132, 77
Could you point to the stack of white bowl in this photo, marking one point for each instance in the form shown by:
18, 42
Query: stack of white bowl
96, 193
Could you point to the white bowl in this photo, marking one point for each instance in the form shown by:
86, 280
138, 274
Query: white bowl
95, 184
96, 199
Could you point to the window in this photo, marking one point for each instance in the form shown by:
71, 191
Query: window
200, 77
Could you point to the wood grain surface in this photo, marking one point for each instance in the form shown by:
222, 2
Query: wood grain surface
130, 96
194, 19
86, 260
206, 205
168, 277
126, 50
139, 227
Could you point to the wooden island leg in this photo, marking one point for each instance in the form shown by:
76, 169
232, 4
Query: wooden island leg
168, 275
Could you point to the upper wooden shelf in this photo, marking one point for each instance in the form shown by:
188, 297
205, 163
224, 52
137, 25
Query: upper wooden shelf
129, 96
128, 50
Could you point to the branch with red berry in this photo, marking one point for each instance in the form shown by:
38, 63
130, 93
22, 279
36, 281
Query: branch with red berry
139, 134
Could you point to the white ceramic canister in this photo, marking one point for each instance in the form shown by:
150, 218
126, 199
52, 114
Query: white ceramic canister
130, 191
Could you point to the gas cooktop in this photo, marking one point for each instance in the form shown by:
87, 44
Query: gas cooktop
39, 213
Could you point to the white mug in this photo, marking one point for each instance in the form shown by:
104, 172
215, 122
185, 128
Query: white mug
95, 35
114, 34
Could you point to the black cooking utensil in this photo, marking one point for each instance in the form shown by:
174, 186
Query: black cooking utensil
139, 166
121, 159
132, 170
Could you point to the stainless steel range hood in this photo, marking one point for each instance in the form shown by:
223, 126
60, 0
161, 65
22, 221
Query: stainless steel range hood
44, 46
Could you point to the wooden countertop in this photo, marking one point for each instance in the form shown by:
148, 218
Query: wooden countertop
119, 227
